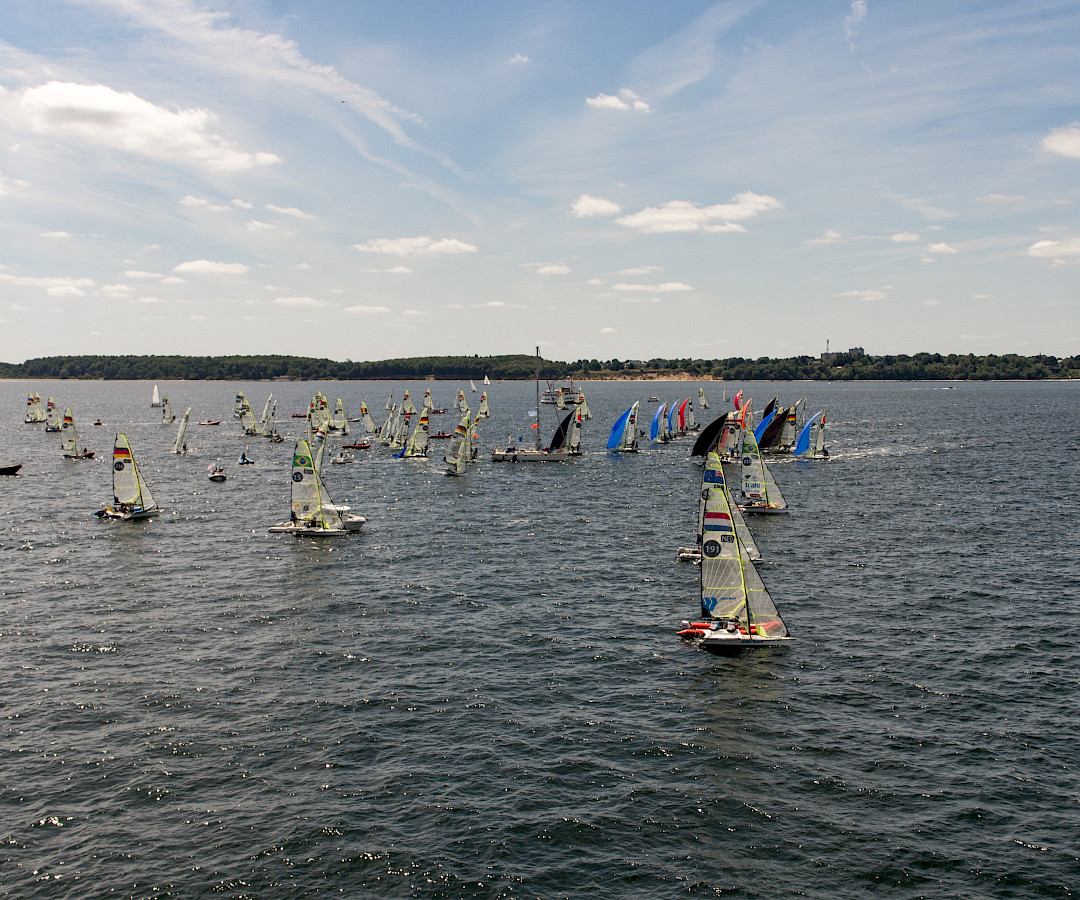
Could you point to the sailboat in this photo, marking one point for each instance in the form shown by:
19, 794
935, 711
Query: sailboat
565, 442
179, 446
459, 454
155, 398
247, 419
483, 412
69, 440
737, 611
487, 381
811, 442
623, 437
693, 554
52, 416
428, 403
760, 492
312, 512
166, 411
131, 495
710, 436
418, 441
472, 385
365, 417
701, 396
239, 402
35, 412
659, 421
407, 406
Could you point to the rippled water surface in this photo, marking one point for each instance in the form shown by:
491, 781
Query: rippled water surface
482, 695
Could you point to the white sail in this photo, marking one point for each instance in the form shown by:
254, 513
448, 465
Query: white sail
390, 401
459, 403
418, 441
573, 440
483, 412
487, 381
69, 438
459, 453
712, 477
35, 412
401, 432
369, 423
428, 403
265, 417
181, 433
166, 410
131, 495
701, 396
818, 441
340, 421
386, 433
730, 585
759, 489
155, 397
247, 419
52, 416
472, 384
310, 503
239, 402
407, 406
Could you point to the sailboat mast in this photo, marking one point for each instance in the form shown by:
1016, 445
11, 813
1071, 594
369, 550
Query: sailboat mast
537, 398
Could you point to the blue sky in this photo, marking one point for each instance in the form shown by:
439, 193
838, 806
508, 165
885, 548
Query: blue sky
619, 179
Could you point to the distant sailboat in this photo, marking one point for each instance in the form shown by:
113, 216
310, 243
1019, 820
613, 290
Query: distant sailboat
69, 439
155, 397
623, 437
487, 381
737, 611
35, 412
166, 411
565, 442
472, 385
52, 416
459, 453
179, 446
701, 396
132, 498
483, 412
417, 444
365, 417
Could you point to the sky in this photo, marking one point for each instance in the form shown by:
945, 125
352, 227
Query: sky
625, 179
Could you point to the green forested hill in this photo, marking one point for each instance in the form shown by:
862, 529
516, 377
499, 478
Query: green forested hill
841, 367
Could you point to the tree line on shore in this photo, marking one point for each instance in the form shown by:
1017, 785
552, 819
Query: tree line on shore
838, 367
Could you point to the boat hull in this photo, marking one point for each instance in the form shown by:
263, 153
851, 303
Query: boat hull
350, 525
528, 455
10, 470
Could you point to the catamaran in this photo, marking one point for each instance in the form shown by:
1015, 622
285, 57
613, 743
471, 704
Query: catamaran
35, 412
737, 612
179, 445
760, 493
312, 511
131, 495
693, 554
69, 439
623, 437
811, 442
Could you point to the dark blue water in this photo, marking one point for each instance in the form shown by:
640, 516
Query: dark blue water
481, 695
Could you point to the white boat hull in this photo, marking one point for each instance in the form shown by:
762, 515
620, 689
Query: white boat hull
528, 454
351, 524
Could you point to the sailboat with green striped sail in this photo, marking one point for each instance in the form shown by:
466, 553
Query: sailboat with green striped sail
312, 512
737, 612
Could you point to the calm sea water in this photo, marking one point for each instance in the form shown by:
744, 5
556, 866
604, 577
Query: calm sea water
482, 695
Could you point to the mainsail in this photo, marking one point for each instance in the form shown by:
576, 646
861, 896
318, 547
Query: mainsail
759, 489
369, 423
483, 412
710, 479
69, 437
730, 585
130, 493
311, 505
52, 416
701, 396
418, 441
35, 412
166, 410
181, 433
458, 454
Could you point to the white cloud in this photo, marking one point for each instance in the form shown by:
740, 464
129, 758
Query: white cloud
915, 204
519, 59
930, 301
115, 290
197, 319
56, 235
413, 312
857, 14
665, 288
289, 211
417, 246
627, 100
1063, 141
829, 237
149, 300
308, 302
639, 299
905, 237
193, 202
209, 267
300, 266
139, 274
173, 279
943, 249
366, 310
639, 270
1055, 250
96, 114
398, 270
547, 268
872, 294
54, 287
256, 225
243, 204
1003, 198
586, 206
680, 215
608, 330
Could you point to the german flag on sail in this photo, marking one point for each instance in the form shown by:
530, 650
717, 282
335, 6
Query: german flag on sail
121, 453
717, 521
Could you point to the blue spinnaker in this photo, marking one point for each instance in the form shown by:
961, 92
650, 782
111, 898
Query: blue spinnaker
760, 430
803, 443
617, 430
654, 429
